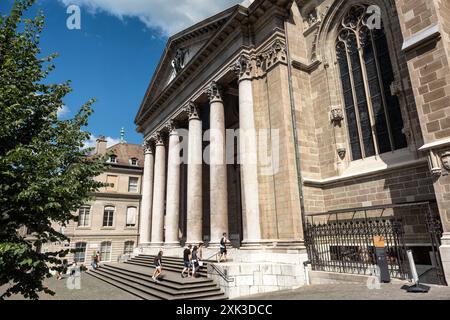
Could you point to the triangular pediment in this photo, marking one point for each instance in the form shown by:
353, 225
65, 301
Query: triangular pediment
182, 47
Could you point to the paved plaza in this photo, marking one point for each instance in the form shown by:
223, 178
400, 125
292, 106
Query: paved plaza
354, 292
91, 289
94, 289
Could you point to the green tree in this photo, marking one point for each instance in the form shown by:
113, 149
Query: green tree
45, 174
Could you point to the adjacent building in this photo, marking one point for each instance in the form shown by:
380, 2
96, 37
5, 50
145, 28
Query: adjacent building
110, 222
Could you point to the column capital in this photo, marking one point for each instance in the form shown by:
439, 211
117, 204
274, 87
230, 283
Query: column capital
148, 146
158, 137
214, 92
172, 127
193, 111
276, 53
243, 68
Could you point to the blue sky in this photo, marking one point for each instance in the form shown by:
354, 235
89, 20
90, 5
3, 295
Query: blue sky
114, 55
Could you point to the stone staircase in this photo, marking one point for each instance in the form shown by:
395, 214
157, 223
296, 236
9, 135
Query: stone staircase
135, 277
169, 264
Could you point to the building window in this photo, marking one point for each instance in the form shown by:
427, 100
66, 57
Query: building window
108, 216
133, 184
80, 254
83, 216
131, 216
373, 114
112, 182
129, 247
112, 159
105, 251
134, 161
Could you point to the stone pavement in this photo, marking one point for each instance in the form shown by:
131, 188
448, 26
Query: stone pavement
354, 292
91, 289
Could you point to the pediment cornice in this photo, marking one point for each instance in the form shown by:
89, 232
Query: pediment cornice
227, 22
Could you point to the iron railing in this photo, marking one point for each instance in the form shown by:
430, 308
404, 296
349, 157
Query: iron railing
347, 246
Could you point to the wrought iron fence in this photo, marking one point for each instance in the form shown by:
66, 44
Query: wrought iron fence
347, 246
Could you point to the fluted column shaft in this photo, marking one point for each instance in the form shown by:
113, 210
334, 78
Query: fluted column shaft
218, 167
159, 189
147, 197
248, 153
194, 192
173, 189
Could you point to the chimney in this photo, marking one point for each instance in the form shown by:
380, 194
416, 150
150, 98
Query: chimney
100, 148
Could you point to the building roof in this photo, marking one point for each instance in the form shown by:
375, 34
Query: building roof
126, 151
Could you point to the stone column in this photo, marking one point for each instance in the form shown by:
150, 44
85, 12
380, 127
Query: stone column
147, 196
218, 166
248, 153
173, 188
159, 189
195, 163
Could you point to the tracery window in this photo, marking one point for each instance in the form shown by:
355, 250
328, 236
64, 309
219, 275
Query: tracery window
373, 114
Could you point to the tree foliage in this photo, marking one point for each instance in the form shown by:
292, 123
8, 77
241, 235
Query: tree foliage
45, 174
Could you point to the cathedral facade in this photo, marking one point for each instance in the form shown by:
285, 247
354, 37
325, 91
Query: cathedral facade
276, 117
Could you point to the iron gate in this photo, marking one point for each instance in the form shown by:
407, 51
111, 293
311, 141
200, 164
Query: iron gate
347, 246
434, 227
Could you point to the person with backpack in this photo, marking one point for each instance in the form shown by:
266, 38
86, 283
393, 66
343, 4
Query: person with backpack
194, 262
158, 266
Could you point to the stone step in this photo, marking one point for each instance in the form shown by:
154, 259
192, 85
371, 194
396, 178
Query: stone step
178, 264
173, 282
175, 268
149, 290
161, 286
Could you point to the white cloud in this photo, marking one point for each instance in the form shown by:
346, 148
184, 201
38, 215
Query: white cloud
168, 16
92, 142
63, 111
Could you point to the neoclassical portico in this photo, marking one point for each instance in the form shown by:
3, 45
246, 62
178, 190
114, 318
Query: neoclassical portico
162, 181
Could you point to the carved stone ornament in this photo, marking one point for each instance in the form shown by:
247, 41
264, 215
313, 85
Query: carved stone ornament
158, 138
171, 127
243, 67
336, 115
342, 152
214, 92
435, 164
276, 53
148, 146
445, 158
179, 60
193, 111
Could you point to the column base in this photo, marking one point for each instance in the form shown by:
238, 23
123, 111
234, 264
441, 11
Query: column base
274, 244
144, 244
175, 244
194, 242
444, 250
156, 245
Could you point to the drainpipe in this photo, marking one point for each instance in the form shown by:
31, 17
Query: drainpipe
294, 126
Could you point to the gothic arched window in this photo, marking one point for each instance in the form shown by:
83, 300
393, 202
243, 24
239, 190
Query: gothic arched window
374, 120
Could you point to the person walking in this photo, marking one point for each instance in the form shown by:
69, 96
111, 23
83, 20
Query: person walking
158, 266
95, 259
194, 261
223, 248
186, 261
